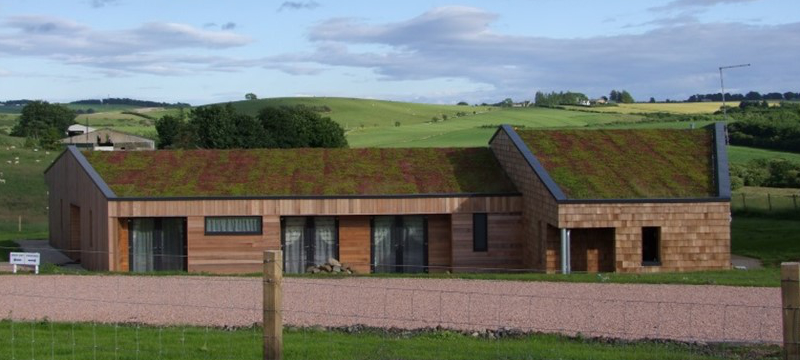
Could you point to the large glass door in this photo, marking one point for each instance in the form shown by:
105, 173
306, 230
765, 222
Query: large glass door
399, 244
157, 244
308, 241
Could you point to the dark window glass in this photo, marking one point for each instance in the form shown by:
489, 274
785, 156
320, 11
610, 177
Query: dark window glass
651, 238
480, 233
233, 225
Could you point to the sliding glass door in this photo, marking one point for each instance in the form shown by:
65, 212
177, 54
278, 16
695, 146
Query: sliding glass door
308, 241
399, 244
157, 244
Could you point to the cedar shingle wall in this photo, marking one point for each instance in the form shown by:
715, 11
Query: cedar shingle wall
694, 236
538, 205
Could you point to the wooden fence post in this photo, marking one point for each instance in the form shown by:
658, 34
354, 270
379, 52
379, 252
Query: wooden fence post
769, 201
790, 295
794, 199
744, 201
273, 305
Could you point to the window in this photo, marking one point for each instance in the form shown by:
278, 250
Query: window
651, 239
233, 225
308, 241
480, 233
399, 244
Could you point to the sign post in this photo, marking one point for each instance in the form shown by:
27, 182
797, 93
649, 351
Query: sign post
24, 259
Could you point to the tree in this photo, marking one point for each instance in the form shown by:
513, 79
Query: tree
463, 103
652, 100
753, 95
250, 96
214, 126
625, 97
613, 96
300, 126
169, 128
39, 117
327, 133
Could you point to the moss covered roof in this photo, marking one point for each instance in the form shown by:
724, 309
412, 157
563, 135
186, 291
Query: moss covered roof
626, 164
300, 172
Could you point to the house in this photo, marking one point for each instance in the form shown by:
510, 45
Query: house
107, 139
560, 200
78, 129
584, 102
621, 200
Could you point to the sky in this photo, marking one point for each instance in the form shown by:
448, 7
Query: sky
202, 51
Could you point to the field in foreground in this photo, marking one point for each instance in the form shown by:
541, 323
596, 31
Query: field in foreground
45, 340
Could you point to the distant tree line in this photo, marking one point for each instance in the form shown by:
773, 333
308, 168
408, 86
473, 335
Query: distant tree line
750, 96
559, 98
222, 127
129, 102
21, 102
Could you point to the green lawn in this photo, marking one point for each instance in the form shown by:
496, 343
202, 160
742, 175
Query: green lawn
45, 340
741, 154
771, 240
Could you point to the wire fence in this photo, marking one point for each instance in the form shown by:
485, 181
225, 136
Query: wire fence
219, 317
765, 202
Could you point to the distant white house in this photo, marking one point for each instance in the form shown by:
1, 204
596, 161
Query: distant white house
584, 103
78, 129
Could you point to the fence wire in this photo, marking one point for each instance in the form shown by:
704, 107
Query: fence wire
218, 317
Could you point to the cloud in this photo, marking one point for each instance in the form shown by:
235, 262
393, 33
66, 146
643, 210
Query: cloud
145, 48
228, 26
457, 42
680, 4
101, 3
298, 5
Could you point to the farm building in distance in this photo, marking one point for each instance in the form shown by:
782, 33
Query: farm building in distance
555, 200
107, 139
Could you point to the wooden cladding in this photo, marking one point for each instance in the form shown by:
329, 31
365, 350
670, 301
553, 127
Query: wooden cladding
296, 207
504, 243
354, 242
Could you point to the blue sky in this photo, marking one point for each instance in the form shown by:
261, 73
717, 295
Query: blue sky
201, 51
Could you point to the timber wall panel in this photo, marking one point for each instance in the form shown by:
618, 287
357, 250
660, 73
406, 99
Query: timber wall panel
354, 242
230, 253
539, 208
439, 243
504, 243
68, 184
694, 236
311, 207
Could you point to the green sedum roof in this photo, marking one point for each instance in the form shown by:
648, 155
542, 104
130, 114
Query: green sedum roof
626, 164
300, 172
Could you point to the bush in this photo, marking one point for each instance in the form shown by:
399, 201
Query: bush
777, 173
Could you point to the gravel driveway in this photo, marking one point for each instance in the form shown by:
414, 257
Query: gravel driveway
680, 312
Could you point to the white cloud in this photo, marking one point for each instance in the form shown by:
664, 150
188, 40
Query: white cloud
146, 48
298, 5
457, 42
679, 4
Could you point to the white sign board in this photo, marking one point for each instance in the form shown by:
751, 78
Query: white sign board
27, 259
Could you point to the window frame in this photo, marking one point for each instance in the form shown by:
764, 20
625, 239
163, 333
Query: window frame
309, 232
484, 233
260, 230
657, 231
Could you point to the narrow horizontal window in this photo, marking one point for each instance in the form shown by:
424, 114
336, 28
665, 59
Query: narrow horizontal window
233, 225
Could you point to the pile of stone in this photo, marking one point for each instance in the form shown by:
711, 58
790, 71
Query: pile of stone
333, 266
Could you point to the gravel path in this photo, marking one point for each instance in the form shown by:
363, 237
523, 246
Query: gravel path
680, 312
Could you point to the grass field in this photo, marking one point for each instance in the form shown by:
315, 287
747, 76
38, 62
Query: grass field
45, 340
741, 154
24, 193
